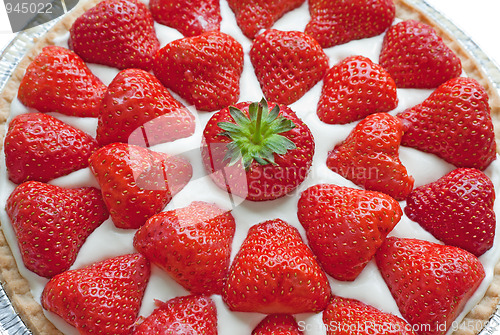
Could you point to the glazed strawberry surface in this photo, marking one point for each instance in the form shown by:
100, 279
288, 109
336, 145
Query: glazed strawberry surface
109, 241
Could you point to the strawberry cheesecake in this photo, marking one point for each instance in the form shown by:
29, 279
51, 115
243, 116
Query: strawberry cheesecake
244, 167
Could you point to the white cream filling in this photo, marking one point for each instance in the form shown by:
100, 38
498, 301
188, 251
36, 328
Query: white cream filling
108, 241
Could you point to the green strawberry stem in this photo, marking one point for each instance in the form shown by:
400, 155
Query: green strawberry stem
256, 137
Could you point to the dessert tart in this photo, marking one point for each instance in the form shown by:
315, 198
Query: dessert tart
117, 235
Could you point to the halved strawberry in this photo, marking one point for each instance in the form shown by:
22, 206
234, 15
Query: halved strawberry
58, 80
192, 244
345, 316
283, 324
189, 315
457, 209
257, 151
40, 147
454, 123
52, 223
355, 88
287, 64
189, 17
346, 226
204, 70
138, 109
338, 21
252, 16
369, 156
117, 33
103, 298
416, 56
275, 272
137, 183
430, 282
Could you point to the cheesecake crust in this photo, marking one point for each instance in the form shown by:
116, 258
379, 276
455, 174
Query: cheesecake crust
17, 287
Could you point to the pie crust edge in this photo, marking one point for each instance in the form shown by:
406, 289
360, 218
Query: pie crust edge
17, 287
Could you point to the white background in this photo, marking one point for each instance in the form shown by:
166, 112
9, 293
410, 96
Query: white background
479, 19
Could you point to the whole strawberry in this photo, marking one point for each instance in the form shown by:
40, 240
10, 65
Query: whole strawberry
342, 316
204, 70
58, 80
52, 223
283, 324
103, 298
454, 123
275, 272
137, 183
257, 151
117, 33
457, 209
193, 315
416, 56
369, 156
189, 17
430, 282
40, 147
192, 244
287, 64
252, 16
346, 226
138, 109
355, 88
337, 22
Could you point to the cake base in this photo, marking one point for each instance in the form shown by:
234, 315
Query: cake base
17, 287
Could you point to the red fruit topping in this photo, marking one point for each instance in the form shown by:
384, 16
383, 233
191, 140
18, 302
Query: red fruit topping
117, 33
287, 64
416, 56
58, 80
40, 147
257, 151
275, 272
354, 89
453, 123
192, 244
457, 209
369, 156
346, 226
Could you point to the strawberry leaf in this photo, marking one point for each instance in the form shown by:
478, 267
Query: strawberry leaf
256, 136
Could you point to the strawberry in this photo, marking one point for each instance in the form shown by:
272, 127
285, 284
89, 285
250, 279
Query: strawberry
189, 17
430, 282
416, 57
287, 64
457, 209
193, 315
257, 151
283, 324
369, 156
337, 22
137, 183
355, 88
204, 70
117, 33
252, 16
345, 316
103, 298
346, 226
454, 123
52, 223
138, 109
275, 272
40, 147
192, 244
58, 80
